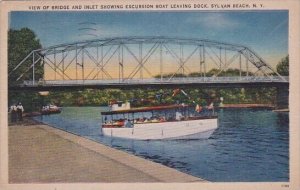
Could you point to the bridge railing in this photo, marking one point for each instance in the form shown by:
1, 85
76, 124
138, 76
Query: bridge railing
183, 80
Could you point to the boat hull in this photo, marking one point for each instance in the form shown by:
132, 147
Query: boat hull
191, 129
48, 112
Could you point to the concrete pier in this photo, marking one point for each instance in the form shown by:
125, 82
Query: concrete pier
282, 99
42, 154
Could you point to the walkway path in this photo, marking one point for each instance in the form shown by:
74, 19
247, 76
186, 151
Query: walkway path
42, 154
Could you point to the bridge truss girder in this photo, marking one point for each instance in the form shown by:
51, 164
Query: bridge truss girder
61, 57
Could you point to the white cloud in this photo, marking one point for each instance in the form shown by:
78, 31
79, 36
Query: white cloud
214, 21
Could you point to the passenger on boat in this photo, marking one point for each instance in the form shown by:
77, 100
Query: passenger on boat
138, 120
211, 106
127, 124
162, 119
119, 122
146, 120
178, 116
198, 108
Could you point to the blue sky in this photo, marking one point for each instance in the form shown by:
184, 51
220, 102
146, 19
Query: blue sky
264, 31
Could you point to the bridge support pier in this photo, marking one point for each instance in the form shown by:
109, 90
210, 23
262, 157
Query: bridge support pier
282, 99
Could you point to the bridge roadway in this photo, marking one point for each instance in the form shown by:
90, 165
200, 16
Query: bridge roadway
208, 82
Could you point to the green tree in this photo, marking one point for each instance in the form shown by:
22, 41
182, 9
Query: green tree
20, 44
283, 66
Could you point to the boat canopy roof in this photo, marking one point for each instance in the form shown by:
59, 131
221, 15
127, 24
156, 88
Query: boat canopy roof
145, 109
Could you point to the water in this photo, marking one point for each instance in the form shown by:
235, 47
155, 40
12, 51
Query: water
249, 145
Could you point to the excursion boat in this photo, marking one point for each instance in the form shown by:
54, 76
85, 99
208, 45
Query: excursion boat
50, 109
158, 122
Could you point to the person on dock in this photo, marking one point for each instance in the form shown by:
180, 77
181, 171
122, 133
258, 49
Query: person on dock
13, 112
20, 111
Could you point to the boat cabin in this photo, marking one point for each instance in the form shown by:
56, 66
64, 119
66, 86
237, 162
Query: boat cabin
120, 116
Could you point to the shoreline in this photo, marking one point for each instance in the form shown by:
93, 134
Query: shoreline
43, 154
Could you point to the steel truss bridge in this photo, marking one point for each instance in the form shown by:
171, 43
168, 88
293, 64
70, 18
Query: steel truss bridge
139, 61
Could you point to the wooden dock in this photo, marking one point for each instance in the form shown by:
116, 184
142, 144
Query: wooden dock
282, 110
42, 154
268, 106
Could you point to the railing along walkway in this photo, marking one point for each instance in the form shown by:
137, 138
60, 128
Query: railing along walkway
183, 80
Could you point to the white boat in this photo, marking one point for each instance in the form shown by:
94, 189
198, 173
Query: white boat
50, 109
158, 122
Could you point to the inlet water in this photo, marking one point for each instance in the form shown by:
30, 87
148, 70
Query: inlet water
249, 145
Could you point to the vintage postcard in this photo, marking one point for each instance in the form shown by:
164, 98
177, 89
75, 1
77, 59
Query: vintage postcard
150, 95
